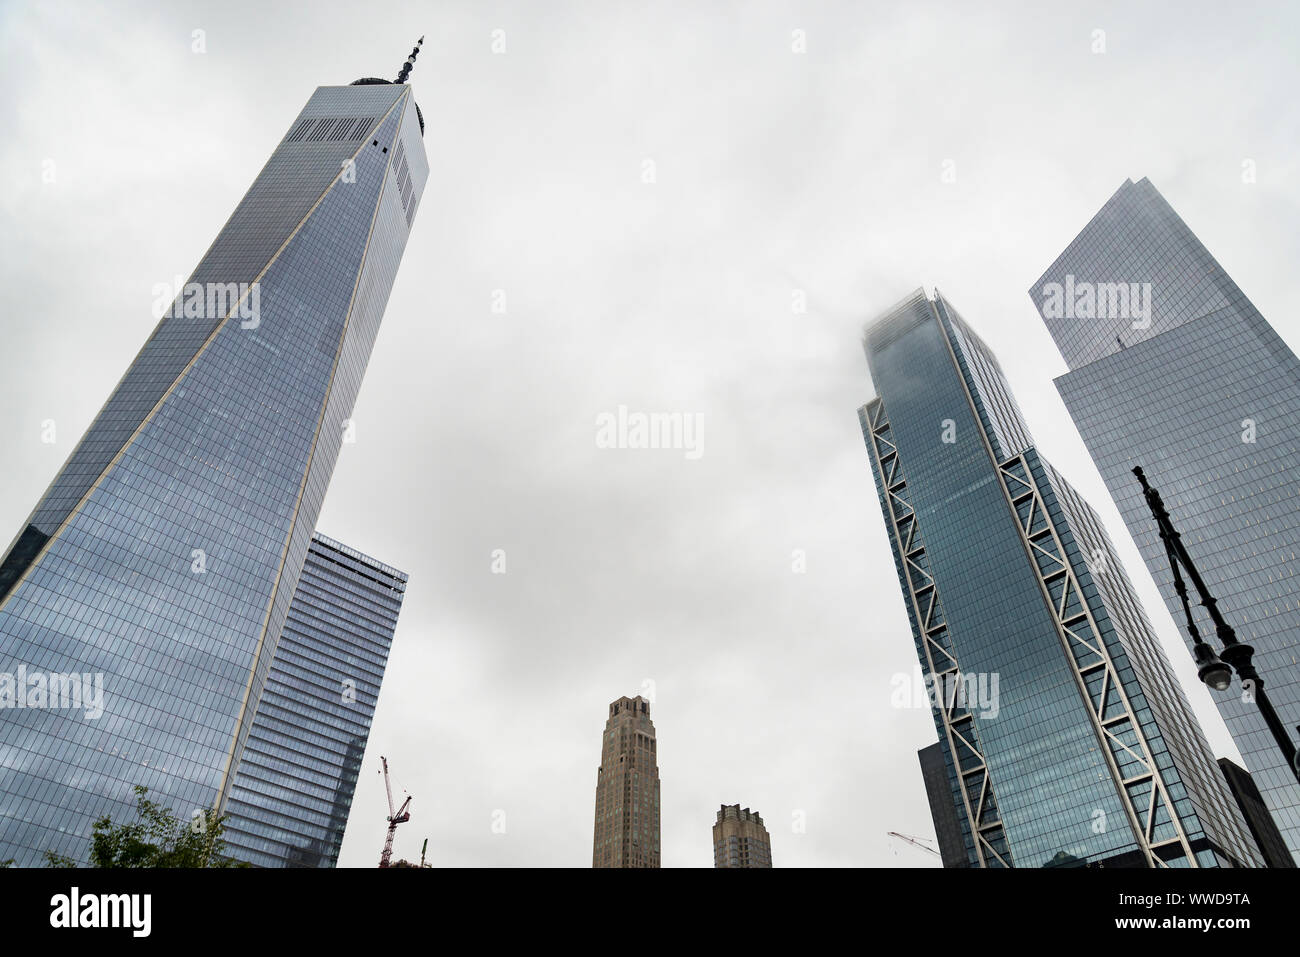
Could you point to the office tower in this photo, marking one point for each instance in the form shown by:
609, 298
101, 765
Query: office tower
164, 555
1196, 387
1066, 739
740, 838
289, 803
938, 791
1261, 823
627, 789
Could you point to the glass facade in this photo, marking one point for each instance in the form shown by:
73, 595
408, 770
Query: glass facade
289, 803
1204, 395
162, 560
1065, 740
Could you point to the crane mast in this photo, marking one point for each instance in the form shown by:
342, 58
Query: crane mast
400, 816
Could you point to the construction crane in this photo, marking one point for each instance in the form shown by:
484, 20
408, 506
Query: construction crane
400, 816
916, 842
424, 847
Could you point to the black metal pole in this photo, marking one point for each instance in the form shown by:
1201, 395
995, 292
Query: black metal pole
1236, 654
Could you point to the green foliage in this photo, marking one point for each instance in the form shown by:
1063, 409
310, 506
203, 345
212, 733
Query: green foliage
156, 838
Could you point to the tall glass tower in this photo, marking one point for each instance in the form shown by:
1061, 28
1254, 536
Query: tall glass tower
1198, 389
1066, 739
163, 558
290, 800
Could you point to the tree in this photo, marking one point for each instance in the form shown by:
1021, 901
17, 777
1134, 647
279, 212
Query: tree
157, 838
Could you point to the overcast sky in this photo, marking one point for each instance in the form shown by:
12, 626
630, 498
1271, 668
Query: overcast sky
774, 170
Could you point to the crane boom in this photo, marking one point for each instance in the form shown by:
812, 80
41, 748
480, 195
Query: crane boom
388, 787
916, 841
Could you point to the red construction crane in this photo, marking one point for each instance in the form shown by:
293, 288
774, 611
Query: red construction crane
400, 816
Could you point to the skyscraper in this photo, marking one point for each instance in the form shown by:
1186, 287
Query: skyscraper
1261, 823
1194, 386
627, 789
163, 558
740, 838
1066, 738
938, 792
289, 803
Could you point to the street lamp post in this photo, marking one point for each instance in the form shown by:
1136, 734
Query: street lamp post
1215, 670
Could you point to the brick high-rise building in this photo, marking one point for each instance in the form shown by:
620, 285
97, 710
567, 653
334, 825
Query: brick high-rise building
740, 839
627, 789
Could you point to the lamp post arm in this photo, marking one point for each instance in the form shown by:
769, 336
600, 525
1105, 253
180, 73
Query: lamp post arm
1236, 654
1174, 544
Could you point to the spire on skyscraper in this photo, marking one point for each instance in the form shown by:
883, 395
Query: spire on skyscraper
410, 62
402, 77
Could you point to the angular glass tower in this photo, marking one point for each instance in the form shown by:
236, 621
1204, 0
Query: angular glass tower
290, 800
165, 553
1069, 742
1204, 396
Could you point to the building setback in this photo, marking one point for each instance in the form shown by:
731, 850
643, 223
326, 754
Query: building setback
289, 804
740, 838
1065, 736
1203, 394
627, 789
943, 798
165, 554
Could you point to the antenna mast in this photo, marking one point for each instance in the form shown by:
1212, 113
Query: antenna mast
409, 65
